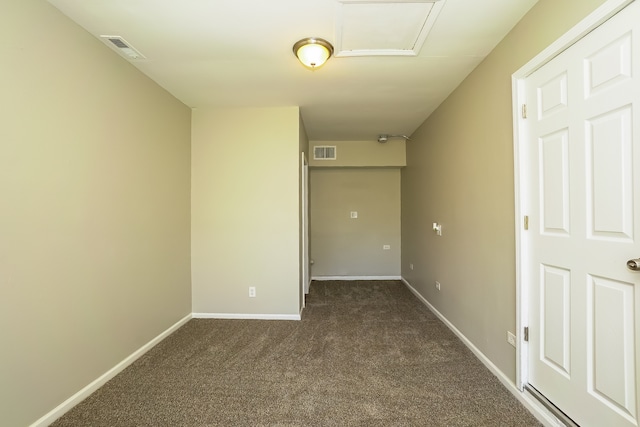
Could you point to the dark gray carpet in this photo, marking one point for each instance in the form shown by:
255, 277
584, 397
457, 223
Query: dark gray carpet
365, 354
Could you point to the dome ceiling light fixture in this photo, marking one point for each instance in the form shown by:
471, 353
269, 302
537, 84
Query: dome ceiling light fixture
312, 52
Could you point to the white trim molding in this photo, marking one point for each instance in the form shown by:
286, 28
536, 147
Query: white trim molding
532, 405
323, 278
65, 406
584, 27
581, 29
247, 316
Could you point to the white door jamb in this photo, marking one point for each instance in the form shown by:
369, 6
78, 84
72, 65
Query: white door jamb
597, 17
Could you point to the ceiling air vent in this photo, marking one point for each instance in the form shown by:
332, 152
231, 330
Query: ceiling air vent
324, 152
121, 46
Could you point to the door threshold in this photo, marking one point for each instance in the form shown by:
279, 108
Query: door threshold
561, 416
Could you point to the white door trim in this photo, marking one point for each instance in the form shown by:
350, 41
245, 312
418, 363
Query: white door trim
596, 18
305, 228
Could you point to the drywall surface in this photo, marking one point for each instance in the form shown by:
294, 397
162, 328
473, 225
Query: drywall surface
362, 153
246, 210
346, 246
95, 211
460, 173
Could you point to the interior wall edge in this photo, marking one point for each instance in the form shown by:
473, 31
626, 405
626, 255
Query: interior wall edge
94, 385
247, 316
321, 278
532, 406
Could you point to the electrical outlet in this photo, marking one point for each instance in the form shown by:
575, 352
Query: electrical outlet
354, 215
437, 285
386, 247
252, 292
511, 339
410, 266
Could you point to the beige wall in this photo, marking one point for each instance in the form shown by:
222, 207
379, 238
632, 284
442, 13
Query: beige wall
363, 153
94, 217
460, 173
245, 210
342, 246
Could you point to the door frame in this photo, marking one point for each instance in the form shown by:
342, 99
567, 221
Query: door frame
306, 273
521, 168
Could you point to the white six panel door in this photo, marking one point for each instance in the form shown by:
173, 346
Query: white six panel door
584, 174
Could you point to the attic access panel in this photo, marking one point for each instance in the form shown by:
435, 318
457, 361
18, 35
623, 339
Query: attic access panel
384, 27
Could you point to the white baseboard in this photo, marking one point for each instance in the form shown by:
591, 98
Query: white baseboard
321, 278
545, 417
65, 406
247, 316
529, 402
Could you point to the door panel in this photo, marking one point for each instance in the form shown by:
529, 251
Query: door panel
611, 347
552, 96
555, 334
584, 167
608, 66
609, 175
554, 183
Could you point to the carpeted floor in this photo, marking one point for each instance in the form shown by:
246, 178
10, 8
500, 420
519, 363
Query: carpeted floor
365, 354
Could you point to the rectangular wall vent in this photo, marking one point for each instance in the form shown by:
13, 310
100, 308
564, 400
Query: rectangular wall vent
121, 46
324, 152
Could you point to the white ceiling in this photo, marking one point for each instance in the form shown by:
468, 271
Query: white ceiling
238, 53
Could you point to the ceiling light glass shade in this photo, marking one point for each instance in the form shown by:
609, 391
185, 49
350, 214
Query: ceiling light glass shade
313, 52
